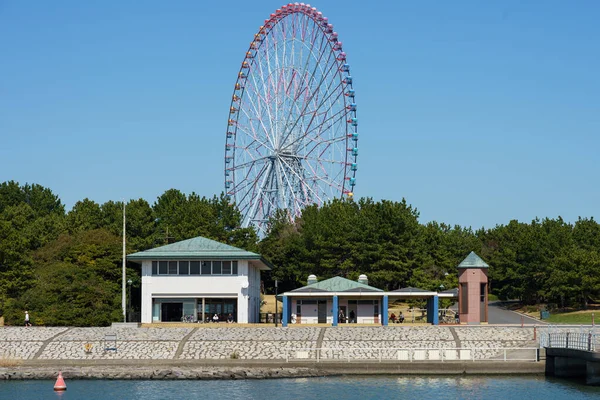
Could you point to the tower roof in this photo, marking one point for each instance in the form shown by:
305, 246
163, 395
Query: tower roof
473, 261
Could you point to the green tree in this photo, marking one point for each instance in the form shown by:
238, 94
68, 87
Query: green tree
85, 215
77, 280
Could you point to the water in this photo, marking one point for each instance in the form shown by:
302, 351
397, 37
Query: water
353, 387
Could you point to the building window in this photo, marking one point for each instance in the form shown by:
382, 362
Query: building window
483, 289
206, 268
184, 267
163, 268
216, 267
464, 299
306, 302
226, 267
172, 267
195, 268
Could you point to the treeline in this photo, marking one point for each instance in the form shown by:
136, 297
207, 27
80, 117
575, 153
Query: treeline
65, 267
545, 261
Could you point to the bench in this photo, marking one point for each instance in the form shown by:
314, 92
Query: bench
110, 342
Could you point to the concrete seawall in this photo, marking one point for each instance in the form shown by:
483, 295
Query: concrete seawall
194, 352
255, 369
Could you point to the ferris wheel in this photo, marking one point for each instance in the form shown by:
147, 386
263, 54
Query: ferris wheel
292, 130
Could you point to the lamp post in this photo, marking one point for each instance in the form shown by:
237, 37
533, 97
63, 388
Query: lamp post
276, 305
129, 282
123, 300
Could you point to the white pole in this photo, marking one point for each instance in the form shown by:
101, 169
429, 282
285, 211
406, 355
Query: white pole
124, 273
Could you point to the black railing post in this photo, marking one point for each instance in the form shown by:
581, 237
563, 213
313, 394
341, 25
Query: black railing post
567, 345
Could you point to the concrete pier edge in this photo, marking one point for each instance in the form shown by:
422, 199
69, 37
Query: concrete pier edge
253, 369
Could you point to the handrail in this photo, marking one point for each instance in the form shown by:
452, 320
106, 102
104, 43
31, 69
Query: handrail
438, 354
570, 340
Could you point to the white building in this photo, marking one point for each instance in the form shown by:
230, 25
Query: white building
197, 278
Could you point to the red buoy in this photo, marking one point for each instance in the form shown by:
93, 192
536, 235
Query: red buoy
60, 386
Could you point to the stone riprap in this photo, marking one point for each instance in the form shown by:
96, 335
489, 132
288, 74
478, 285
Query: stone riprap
260, 334
38, 334
19, 350
126, 350
389, 333
157, 373
246, 350
251, 343
128, 334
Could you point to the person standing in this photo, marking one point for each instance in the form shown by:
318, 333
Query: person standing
341, 317
27, 322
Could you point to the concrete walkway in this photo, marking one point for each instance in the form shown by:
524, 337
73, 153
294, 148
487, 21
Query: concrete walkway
499, 314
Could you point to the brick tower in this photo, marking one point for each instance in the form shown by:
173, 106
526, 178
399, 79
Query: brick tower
473, 290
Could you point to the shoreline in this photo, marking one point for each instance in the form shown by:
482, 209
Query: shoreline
253, 369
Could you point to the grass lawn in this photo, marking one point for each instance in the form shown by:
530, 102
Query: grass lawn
575, 317
269, 306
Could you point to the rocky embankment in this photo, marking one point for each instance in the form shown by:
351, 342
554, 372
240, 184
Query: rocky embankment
155, 373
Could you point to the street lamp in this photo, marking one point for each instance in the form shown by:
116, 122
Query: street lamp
129, 282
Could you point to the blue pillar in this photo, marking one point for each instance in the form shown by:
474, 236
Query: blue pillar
384, 311
284, 312
434, 310
335, 310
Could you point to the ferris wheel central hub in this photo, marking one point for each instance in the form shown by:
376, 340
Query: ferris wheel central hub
283, 154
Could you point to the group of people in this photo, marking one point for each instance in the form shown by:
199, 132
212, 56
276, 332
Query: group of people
399, 319
229, 320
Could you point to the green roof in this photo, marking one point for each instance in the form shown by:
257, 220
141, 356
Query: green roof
196, 248
473, 261
337, 284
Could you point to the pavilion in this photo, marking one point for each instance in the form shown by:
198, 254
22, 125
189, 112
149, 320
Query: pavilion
328, 301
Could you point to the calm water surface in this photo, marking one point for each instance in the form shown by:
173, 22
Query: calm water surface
315, 388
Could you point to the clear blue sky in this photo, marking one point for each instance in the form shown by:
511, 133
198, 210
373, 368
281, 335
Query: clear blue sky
476, 112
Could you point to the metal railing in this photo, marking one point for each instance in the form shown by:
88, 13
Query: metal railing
474, 354
571, 340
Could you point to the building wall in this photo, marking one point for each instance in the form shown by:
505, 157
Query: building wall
176, 286
252, 293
